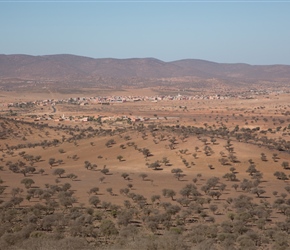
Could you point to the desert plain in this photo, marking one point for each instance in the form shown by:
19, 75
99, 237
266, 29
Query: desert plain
144, 168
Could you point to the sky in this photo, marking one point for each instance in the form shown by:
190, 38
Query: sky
253, 32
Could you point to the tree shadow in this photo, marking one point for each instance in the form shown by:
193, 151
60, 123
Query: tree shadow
158, 169
264, 197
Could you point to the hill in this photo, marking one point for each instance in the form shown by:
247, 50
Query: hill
78, 68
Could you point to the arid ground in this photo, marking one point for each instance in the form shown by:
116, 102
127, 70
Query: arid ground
210, 172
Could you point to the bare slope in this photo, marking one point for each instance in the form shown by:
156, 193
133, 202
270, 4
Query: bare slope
66, 67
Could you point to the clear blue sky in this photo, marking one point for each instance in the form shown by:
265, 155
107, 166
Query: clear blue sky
254, 32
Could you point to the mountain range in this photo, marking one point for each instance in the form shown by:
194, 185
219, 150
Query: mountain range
66, 67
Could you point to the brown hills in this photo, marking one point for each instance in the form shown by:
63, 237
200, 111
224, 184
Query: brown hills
75, 68
194, 168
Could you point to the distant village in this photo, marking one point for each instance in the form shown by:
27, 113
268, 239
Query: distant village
111, 100
107, 100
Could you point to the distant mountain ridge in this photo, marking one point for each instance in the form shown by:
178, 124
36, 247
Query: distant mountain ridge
67, 67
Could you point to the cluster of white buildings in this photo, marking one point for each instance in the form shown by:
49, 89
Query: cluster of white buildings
107, 100
122, 99
114, 99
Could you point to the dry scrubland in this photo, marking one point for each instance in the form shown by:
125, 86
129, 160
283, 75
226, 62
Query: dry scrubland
200, 174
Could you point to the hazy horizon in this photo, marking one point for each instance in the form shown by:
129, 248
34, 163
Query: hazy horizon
250, 32
129, 58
